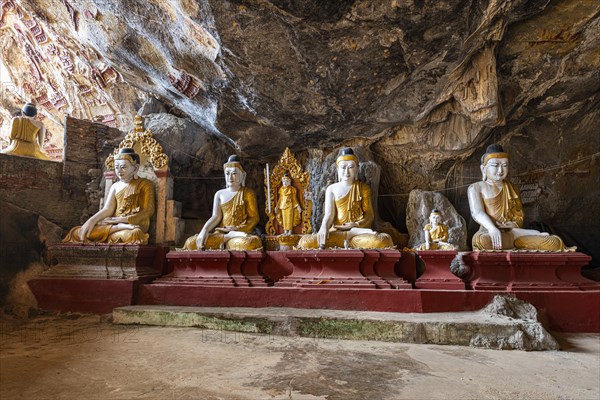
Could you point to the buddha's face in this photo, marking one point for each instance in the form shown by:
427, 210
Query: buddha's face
435, 219
286, 181
347, 171
233, 177
496, 169
125, 169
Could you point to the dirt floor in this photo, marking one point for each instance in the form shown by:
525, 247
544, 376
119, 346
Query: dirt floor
86, 357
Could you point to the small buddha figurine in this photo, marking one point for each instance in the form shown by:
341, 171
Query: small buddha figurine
348, 213
436, 234
125, 217
287, 210
234, 215
27, 134
495, 204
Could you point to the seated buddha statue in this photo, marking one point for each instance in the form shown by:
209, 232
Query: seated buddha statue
495, 204
348, 213
436, 234
288, 209
125, 217
26, 134
234, 215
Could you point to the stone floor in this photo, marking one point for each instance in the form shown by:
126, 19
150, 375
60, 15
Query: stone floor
86, 357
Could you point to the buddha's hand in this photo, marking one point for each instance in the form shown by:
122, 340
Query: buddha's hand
496, 237
86, 229
322, 236
200, 239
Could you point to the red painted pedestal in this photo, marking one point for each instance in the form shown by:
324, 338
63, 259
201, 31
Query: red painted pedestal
215, 268
334, 269
437, 273
528, 271
382, 268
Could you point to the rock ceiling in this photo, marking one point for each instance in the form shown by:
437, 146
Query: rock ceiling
304, 73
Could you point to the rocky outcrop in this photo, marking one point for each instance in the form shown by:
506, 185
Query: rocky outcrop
420, 205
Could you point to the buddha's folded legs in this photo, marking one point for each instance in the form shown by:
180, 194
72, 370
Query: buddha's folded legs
101, 234
215, 240
482, 241
337, 239
539, 242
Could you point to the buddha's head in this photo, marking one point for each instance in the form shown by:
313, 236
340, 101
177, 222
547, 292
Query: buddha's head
235, 175
286, 180
127, 163
347, 165
435, 218
494, 163
29, 110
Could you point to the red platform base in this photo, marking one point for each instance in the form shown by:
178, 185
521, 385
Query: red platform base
360, 280
437, 273
566, 311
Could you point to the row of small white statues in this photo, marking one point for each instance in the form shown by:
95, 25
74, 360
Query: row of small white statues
348, 213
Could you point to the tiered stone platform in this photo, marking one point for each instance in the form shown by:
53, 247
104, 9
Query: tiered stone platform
96, 278
353, 280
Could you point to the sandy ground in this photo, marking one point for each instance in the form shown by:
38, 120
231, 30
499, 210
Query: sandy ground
86, 357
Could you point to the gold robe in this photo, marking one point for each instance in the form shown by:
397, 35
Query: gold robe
23, 136
288, 216
241, 211
136, 202
507, 207
354, 207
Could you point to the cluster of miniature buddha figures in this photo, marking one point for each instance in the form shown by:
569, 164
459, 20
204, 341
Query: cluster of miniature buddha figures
348, 212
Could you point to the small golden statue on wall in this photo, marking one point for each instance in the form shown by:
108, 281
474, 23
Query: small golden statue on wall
289, 204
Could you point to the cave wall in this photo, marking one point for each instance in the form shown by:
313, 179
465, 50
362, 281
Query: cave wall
422, 86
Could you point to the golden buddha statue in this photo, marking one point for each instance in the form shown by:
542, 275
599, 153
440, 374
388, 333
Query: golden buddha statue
234, 215
348, 213
287, 210
436, 234
125, 217
495, 204
27, 135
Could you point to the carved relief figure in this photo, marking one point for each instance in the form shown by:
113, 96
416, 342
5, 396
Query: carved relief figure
125, 217
234, 215
436, 234
27, 134
348, 212
495, 204
288, 209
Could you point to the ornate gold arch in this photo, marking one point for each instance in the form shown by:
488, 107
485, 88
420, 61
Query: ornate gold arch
288, 163
142, 140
